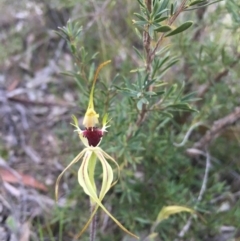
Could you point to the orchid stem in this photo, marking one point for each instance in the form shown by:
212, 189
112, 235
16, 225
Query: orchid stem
93, 225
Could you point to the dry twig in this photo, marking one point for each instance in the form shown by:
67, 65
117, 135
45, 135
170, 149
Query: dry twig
218, 127
200, 196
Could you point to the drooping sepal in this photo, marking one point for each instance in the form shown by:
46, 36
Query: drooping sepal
107, 182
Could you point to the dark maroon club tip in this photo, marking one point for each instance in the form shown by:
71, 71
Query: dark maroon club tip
93, 135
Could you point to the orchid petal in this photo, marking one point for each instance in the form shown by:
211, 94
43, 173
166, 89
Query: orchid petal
106, 184
83, 139
88, 188
80, 132
83, 176
105, 122
91, 169
76, 159
105, 119
118, 168
107, 175
75, 124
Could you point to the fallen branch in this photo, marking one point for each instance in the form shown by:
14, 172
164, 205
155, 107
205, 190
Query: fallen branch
218, 127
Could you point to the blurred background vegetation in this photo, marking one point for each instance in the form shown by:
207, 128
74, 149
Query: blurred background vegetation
37, 102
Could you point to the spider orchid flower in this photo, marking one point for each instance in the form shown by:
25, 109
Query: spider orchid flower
91, 138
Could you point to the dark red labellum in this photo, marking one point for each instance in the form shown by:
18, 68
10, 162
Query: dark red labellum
94, 135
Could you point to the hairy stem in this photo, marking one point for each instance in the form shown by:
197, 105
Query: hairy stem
93, 225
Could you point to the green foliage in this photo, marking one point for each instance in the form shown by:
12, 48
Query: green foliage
12, 45
152, 107
180, 29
